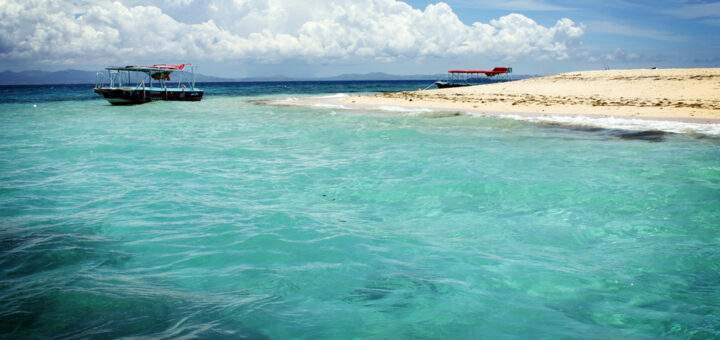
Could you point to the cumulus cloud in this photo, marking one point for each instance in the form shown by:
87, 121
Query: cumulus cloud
267, 30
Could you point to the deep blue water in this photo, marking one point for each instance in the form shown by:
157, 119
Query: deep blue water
79, 92
229, 219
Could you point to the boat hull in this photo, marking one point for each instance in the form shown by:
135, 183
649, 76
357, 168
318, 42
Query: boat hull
130, 96
444, 85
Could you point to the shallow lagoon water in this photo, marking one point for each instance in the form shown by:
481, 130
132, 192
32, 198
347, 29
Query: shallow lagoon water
227, 219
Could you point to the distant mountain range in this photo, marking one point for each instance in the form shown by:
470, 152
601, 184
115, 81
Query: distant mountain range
68, 77
44, 77
88, 77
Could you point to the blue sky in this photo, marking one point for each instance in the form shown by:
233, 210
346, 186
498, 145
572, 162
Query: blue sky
650, 33
306, 38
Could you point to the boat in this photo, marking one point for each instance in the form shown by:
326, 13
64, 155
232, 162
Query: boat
143, 84
458, 78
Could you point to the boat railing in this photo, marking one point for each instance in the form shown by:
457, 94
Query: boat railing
115, 79
140, 85
183, 81
119, 77
99, 79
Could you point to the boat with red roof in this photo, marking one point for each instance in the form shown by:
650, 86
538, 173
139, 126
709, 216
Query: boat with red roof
143, 84
457, 78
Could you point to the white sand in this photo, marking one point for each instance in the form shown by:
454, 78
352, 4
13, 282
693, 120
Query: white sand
675, 94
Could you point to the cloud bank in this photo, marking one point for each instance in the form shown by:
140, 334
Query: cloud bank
267, 31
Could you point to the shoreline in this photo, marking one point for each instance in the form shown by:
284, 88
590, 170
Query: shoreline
350, 103
670, 93
681, 125
633, 98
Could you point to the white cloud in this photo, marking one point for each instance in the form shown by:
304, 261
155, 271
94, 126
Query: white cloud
513, 5
267, 30
696, 10
632, 31
619, 55
708, 13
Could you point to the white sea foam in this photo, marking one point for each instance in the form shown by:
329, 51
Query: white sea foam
403, 109
287, 100
337, 95
619, 123
330, 106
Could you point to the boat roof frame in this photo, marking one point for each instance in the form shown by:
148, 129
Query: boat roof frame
480, 71
154, 68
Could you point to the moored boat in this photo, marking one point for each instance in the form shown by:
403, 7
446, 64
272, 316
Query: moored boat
458, 78
144, 84
447, 84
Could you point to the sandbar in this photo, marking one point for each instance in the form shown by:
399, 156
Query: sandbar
691, 95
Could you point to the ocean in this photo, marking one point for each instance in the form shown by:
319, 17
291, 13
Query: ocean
236, 218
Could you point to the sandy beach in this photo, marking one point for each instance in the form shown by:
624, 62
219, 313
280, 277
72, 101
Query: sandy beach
673, 94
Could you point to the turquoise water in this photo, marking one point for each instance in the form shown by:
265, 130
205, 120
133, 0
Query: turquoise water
228, 219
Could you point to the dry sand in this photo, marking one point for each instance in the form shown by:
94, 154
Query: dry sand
673, 94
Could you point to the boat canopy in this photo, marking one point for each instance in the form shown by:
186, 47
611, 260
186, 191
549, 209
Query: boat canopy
156, 67
143, 76
458, 78
489, 73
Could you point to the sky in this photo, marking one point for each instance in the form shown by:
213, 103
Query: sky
319, 38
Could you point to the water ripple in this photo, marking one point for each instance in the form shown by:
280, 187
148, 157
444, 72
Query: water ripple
226, 220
